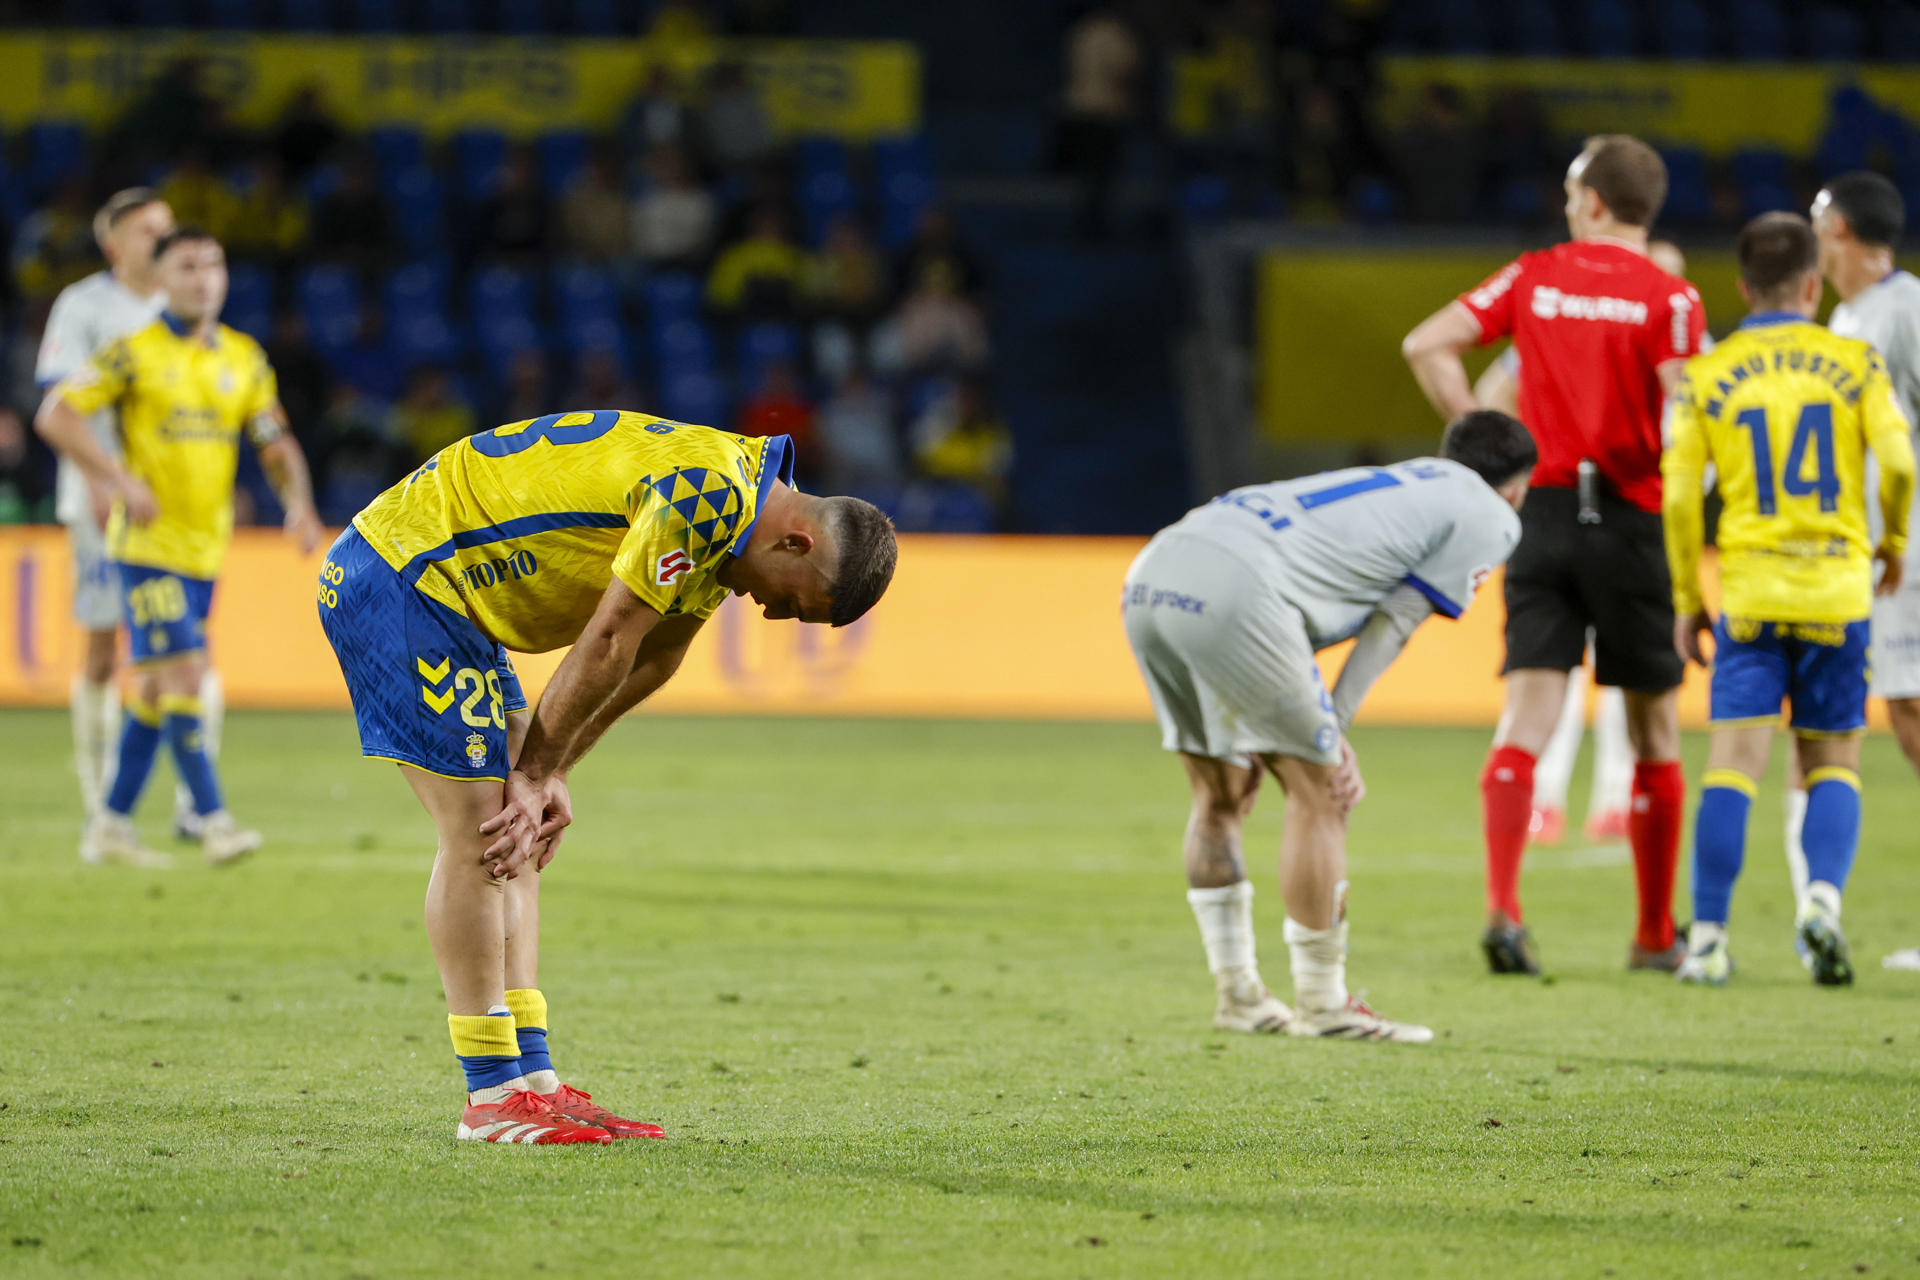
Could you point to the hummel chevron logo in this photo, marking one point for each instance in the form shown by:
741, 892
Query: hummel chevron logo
435, 674
438, 701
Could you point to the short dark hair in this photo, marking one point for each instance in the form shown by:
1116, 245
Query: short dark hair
181, 235
1494, 445
1871, 205
119, 205
1628, 175
868, 553
1776, 251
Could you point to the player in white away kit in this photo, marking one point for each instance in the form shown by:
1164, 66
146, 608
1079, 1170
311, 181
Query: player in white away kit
88, 315
1225, 611
1857, 219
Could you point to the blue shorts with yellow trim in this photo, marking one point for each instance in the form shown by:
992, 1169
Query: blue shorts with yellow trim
1821, 668
165, 612
428, 689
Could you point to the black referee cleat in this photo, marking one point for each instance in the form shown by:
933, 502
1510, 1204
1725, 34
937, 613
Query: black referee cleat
1509, 948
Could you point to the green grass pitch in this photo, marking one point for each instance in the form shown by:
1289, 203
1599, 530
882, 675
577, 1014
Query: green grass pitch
925, 998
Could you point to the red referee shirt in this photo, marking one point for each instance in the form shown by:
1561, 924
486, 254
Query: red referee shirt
1592, 321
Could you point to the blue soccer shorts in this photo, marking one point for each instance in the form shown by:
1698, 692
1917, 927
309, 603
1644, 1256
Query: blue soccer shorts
165, 612
428, 689
1820, 668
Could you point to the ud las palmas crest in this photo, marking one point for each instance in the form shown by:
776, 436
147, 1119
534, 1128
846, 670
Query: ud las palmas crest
476, 751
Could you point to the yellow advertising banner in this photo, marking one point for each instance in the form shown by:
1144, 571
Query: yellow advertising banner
1019, 628
859, 90
1719, 107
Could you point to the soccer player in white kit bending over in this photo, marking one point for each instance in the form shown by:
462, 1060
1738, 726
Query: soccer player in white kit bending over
1225, 611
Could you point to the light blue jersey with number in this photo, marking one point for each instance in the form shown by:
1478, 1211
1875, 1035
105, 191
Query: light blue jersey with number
1336, 544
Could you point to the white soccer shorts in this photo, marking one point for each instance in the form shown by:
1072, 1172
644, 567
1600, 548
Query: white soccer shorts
96, 588
1896, 645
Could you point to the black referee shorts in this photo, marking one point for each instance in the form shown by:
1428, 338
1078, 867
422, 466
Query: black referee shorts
1566, 577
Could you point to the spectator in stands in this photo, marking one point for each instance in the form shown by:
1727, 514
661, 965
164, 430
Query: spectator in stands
673, 221
938, 330
600, 381
846, 282
511, 223
960, 439
758, 277
301, 373
1521, 148
657, 116
595, 226
739, 134
1324, 157
269, 217
1242, 84
859, 446
353, 223
935, 241
23, 487
524, 392
1097, 108
198, 196
1438, 159
778, 407
369, 362
354, 452
174, 113
306, 132
431, 415
54, 246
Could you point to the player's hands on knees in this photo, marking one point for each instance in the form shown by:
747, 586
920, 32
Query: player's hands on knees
1345, 784
303, 526
533, 816
1893, 570
1687, 630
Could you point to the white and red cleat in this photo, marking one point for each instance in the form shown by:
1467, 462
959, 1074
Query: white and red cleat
578, 1105
1607, 825
1547, 826
524, 1116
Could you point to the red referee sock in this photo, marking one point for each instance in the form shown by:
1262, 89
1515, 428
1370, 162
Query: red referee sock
1506, 807
1653, 828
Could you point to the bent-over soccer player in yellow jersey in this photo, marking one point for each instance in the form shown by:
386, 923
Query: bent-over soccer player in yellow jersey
1786, 411
614, 532
185, 387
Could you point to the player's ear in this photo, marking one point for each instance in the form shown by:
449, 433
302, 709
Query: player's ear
799, 541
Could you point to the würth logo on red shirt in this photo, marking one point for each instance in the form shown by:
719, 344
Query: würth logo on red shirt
671, 567
1550, 303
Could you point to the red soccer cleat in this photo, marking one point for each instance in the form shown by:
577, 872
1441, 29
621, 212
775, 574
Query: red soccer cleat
524, 1116
578, 1105
1547, 826
1607, 825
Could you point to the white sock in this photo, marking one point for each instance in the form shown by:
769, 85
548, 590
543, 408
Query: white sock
1319, 965
1824, 896
212, 705
1704, 933
1797, 852
94, 707
1553, 772
1225, 916
1612, 756
542, 1081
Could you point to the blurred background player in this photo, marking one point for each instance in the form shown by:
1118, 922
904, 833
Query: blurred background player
1611, 794
616, 533
1225, 611
184, 388
1786, 412
1601, 332
1857, 219
88, 315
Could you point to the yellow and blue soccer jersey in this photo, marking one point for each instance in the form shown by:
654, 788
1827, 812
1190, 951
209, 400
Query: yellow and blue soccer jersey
521, 528
182, 405
1786, 412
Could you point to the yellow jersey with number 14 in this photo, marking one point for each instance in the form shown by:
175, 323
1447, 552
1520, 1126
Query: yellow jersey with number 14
1786, 411
521, 528
182, 404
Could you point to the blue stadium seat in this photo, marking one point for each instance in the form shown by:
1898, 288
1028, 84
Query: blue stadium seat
1689, 196
500, 290
450, 17
1753, 166
424, 338
249, 299
418, 209
904, 171
527, 17
694, 396
396, 148
818, 154
1612, 29
585, 293
562, 155
477, 156
1834, 34
671, 296
320, 182
599, 333
54, 150
417, 289
1536, 30
1765, 197
603, 18
329, 299
766, 344
234, 15
306, 15
1373, 201
373, 15
1759, 30
825, 197
502, 335
683, 345
1518, 200
959, 508
1205, 200
1682, 29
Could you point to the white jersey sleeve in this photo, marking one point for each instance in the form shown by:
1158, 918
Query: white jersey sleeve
1472, 547
87, 315
67, 342
1887, 315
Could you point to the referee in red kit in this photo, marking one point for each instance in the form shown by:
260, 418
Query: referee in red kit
1602, 334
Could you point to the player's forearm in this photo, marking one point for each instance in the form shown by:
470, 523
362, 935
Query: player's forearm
1380, 641
641, 683
1684, 521
1896, 492
587, 678
67, 434
286, 468
1442, 376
